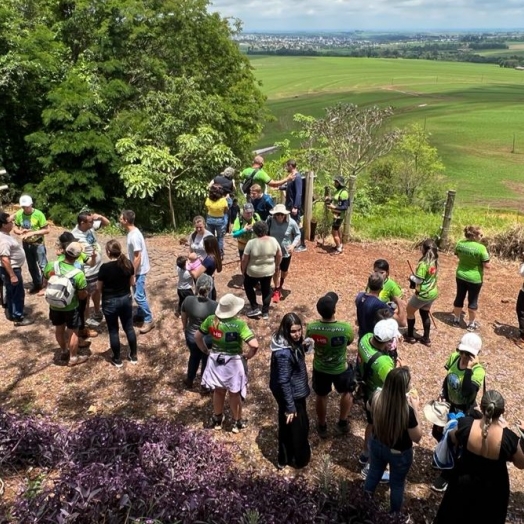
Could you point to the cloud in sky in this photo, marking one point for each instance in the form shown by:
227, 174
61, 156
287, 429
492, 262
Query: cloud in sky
348, 15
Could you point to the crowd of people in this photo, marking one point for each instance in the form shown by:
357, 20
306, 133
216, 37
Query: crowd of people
82, 289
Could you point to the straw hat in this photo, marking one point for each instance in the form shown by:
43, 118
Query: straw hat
279, 208
437, 412
228, 306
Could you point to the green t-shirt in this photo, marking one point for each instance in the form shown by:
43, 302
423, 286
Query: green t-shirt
331, 342
427, 290
455, 377
261, 177
472, 256
341, 195
35, 221
379, 369
390, 291
79, 281
227, 335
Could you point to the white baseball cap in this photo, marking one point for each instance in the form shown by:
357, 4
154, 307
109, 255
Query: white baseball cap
386, 330
470, 343
26, 201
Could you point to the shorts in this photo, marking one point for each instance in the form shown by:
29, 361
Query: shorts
336, 224
70, 318
92, 283
344, 382
284, 264
418, 303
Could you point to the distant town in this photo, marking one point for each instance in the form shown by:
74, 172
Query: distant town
503, 48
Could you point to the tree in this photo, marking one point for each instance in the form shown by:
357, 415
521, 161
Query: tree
104, 67
348, 139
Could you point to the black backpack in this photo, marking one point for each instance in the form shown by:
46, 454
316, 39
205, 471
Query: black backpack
248, 182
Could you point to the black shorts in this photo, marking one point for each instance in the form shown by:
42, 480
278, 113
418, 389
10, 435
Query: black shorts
70, 318
284, 264
467, 288
344, 382
336, 224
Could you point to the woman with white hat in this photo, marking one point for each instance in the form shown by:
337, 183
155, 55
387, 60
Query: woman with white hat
465, 376
287, 233
226, 369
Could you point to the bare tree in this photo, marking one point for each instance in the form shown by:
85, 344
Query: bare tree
352, 138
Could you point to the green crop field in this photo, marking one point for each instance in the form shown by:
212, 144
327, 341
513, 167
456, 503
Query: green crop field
473, 111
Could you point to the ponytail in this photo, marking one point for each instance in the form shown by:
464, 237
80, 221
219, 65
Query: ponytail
487, 420
114, 250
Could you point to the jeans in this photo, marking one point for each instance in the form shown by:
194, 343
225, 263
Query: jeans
399, 463
195, 357
14, 294
217, 226
36, 262
115, 308
139, 290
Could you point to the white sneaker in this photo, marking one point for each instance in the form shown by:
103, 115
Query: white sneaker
91, 322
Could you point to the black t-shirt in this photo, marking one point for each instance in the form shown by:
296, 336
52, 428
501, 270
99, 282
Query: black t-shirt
115, 279
405, 442
225, 183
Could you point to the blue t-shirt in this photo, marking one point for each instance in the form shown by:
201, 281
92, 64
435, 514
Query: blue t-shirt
367, 308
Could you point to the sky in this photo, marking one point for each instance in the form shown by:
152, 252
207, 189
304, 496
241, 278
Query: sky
372, 15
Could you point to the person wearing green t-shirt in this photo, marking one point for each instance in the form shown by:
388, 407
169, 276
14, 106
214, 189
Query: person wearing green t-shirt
338, 205
391, 292
226, 369
260, 176
67, 319
424, 282
330, 366
31, 226
473, 259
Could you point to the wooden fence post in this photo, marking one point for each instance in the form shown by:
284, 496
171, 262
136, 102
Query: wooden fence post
443, 240
308, 204
352, 189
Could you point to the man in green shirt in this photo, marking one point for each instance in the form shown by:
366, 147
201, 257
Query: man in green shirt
338, 205
391, 292
260, 176
330, 366
68, 316
31, 226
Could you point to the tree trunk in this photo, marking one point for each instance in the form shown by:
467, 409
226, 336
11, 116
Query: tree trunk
443, 240
352, 189
171, 208
308, 204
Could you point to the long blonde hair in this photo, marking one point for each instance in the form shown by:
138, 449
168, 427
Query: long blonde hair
390, 407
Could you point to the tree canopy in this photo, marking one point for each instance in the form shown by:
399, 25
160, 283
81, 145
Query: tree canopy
78, 76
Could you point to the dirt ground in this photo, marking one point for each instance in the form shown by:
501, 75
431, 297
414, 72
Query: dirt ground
35, 381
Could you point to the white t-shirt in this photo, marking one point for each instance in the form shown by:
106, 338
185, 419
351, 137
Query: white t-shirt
11, 249
196, 245
262, 254
90, 243
136, 242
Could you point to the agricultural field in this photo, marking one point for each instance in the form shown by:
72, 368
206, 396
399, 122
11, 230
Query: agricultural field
474, 112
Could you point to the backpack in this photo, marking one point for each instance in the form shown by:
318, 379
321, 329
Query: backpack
248, 182
60, 290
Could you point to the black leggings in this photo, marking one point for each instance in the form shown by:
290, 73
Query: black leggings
265, 288
467, 288
293, 443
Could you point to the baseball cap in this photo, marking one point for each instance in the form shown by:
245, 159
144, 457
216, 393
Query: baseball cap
386, 330
74, 249
249, 208
339, 179
470, 343
326, 304
26, 201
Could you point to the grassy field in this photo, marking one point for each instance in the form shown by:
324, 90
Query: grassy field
473, 111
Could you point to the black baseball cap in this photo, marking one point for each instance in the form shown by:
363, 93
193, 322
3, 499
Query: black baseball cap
326, 305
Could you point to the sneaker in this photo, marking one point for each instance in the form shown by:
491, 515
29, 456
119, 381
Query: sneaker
300, 249
265, 316
342, 427
74, 361
410, 340
440, 484
91, 322
146, 328
98, 316
364, 471
385, 476
216, 422
87, 333
277, 295
455, 321
254, 312
132, 360
425, 341
338, 250
322, 430
23, 322
473, 326
238, 426
116, 362
363, 459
